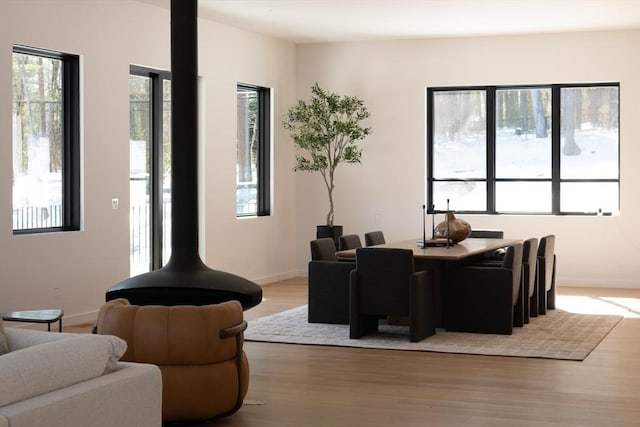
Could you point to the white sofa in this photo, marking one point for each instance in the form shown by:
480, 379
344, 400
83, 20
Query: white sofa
51, 379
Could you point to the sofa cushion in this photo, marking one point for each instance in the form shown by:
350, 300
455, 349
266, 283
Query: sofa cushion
53, 365
4, 346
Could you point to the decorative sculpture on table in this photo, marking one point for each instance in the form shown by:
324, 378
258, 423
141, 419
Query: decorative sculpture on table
456, 230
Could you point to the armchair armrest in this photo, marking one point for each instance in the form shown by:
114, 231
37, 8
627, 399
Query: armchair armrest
234, 330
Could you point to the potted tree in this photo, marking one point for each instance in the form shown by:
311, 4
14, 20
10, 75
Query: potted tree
326, 129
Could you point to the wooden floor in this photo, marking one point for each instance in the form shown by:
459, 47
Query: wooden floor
296, 385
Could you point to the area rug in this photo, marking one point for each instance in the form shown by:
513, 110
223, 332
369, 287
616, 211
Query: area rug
557, 335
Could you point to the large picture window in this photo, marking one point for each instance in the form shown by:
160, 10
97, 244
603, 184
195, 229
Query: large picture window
549, 149
46, 141
253, 145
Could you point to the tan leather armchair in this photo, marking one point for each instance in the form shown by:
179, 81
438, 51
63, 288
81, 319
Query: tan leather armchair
205, 372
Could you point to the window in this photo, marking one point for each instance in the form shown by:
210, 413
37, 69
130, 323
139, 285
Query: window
253, 160
46, 141
149, 168
550, 149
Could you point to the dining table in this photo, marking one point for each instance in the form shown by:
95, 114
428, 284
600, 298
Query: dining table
436, 259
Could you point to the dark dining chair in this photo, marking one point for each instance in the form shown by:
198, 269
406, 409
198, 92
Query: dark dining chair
384, 283
528, 283
546, 274
487, 234
498, 254
529, 278
328, 296
373, 238
323, 249
484, 298
349, 241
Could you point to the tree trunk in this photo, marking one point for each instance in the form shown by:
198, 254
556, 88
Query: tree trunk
244, 150
500, 120
524, 101
538, 114
570, 148
331, 211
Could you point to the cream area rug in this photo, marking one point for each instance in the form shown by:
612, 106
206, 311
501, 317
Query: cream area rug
557, 335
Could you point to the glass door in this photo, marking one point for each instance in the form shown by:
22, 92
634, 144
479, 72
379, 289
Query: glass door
149, 169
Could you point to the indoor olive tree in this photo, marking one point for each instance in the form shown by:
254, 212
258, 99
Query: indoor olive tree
327, 128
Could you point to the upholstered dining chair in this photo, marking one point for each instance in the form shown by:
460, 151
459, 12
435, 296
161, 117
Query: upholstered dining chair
328, 296
528, 285
546, 274
487, 234
199, 350
529, 278
522, 310
349, 241
384, 283
484, 298
323, 249
498, 254
373, 238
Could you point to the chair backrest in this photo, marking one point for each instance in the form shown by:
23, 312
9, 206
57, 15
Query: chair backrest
383, 280
529, 258
487, 234
374, 238
349, 241
513, 262
323, 249
546, 251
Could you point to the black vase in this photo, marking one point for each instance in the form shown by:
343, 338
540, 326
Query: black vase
333, 231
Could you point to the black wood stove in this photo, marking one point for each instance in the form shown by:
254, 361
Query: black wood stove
185, 280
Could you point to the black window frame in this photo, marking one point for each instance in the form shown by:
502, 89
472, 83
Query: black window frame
491, 179
263, 161
71, 156
157, 78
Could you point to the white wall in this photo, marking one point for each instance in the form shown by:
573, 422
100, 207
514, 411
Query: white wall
387, 190
109, 36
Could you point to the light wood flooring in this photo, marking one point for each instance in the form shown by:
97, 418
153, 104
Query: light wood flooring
297, 385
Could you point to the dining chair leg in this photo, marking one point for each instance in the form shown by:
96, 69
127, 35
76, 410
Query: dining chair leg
542, 291
518, 309
551, 295
533, 301
526, 302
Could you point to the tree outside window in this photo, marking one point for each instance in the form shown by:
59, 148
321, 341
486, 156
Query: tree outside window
253, 145
550, 149
45, 141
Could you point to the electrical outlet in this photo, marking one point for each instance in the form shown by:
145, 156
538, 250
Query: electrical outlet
115, 202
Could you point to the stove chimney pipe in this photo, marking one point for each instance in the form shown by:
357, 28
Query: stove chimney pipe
185, 280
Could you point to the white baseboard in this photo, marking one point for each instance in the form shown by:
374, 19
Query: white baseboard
275, 277
76, 319
568, 282
598, 283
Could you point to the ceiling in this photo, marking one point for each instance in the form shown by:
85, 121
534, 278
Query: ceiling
309, 21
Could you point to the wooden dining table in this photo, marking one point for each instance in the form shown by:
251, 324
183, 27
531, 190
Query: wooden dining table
436, 260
